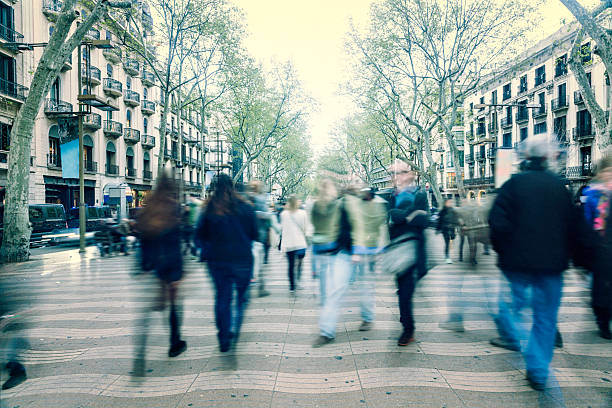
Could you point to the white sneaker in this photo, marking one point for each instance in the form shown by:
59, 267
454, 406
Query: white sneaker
448, 261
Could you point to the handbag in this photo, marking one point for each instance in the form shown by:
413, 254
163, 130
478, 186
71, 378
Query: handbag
400, 255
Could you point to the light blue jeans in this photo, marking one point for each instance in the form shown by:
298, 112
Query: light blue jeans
322, 265
337, 285
543, 293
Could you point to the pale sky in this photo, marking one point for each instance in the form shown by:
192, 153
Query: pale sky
311, 34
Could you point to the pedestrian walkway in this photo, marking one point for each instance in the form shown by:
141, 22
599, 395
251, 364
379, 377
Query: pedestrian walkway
83, 318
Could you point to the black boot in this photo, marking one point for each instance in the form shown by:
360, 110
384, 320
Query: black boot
558, 340
602, 316
17, 375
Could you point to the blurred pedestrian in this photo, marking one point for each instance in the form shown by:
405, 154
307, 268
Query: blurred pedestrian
362, 234
599, 218
261, 246
12, 304
534, 227
294, 229
408, 215
228, 228
159, 228
447, 225
325, 218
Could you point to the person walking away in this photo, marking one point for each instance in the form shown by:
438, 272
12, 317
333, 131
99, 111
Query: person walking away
261, 246
227, 229
362, 234
408, 215
159, 228
325, 218
533, 225
293, 222
447, 225
598, 213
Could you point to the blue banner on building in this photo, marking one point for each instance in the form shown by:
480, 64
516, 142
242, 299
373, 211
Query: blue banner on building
70, 159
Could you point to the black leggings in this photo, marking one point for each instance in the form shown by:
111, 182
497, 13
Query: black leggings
291, 257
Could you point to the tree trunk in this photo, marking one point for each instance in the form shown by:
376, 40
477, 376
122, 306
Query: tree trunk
162, 134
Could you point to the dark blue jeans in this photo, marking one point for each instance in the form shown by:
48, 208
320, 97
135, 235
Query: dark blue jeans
227, 277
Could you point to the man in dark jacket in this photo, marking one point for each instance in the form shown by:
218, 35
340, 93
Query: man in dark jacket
408, 215
533, 223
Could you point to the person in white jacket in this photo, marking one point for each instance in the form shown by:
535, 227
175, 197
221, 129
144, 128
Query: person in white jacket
294, 229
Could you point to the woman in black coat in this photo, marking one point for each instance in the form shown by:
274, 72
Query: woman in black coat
447, 224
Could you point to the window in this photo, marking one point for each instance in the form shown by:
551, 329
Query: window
562, 94
585, 53
583, 122
108, 35
5, 136
494, 98
560, 126
524, 134
128, 116
482, 101
585, 160
128, 83
145, 125
561, 66
540, 75
109, 70
507, 140
539, 128
523, 84
55, 158
54, 92
507, 92
461, 158
35, 213
145, 93
542, 102
8, 21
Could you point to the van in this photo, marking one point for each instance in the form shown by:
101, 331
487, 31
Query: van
43, 217
94, 217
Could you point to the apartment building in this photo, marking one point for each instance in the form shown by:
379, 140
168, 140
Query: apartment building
539, 77
121, 144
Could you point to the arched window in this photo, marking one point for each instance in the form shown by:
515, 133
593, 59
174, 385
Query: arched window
111, 167
145, 93
145, 125
109, 70
128, 82
129, 161
128, 116
54, 92
88, 146
54, 158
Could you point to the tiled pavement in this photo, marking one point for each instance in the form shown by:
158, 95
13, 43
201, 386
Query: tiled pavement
83, 314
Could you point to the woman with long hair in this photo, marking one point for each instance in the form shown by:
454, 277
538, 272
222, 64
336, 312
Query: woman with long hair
227, 229
159, 228
294, 223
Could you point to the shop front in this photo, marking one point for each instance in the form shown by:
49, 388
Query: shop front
140, 193
65, 191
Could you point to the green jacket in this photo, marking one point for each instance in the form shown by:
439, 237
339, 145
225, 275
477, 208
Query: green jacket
325, 219
368, 220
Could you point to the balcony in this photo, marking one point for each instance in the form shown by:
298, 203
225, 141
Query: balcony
480, 181
578, 99
493, 127
558, 104
112, 87
13, 90
491, 153
90, 167
147, 175
506, 122
174, 132
112, 170
51, 8
481, 156
147, 141
93, 76
113, 128
92, 34
522, 116
92, 121
148, 79
469, 158
131, 98
581, 134
10, 35
130, 173
132, 66
147, 107
578, 172
131, 135
112, 54
171, 154
540, 113
54, 161
56, 107
481, 131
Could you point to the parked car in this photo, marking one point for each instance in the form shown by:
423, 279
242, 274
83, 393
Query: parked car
44, 218
95, 216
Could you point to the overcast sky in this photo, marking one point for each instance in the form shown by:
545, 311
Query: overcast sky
311, 33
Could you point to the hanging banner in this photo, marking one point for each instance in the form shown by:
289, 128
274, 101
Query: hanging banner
209, 178
70, 159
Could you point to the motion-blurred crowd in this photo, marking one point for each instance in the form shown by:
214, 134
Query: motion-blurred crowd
534, 225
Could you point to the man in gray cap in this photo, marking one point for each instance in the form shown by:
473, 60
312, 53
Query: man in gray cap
534, 228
